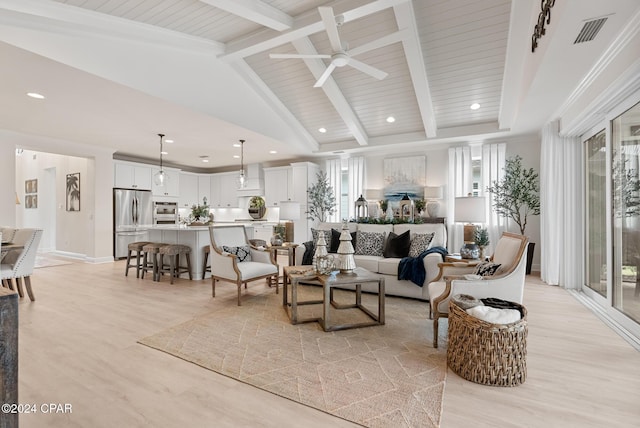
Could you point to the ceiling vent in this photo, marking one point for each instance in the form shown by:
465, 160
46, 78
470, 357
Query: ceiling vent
590, 30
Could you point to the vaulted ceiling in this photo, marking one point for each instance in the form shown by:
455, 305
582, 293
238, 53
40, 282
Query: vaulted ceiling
117, 72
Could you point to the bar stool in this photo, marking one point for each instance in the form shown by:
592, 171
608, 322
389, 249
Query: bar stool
137, 247
205, 267
174, 269
150, 260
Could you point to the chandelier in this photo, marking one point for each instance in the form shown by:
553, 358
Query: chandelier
160, 178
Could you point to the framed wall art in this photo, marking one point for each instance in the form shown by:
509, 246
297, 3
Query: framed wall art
402, 176
73, 192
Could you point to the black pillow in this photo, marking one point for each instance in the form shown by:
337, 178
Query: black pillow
397, 245
335, 240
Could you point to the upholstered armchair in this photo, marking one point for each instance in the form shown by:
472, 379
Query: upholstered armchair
506, 283
234, 259
19, 264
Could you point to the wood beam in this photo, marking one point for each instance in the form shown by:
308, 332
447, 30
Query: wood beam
303, 26
256, 11
332, 91
406, 21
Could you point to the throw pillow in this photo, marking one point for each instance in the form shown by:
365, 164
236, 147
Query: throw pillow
243, 252
370, 243
335, 240
327, 236
309, 251
419, 243
397, 245
487, 268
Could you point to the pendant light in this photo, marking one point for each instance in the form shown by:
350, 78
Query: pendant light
242, 180
160, 178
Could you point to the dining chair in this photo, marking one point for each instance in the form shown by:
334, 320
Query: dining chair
20, 265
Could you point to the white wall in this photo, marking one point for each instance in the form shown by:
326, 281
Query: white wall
7, 183
87, 234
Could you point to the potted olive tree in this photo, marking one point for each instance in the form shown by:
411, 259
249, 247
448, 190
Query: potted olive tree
517, 196
322, 200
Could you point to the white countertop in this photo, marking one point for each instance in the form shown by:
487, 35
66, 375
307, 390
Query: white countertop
215, 224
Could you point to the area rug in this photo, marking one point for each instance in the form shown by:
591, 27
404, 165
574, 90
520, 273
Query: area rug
381, 376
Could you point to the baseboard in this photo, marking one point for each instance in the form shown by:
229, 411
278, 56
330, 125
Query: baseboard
79, 257
600, 313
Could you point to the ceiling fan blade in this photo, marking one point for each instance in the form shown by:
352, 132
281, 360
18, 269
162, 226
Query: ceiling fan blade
371, 71
378, 43
330, 25
325, 76
303, 56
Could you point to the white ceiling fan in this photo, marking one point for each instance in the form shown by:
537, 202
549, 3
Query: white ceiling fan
341, 56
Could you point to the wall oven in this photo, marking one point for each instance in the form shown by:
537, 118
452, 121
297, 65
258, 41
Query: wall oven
165, 213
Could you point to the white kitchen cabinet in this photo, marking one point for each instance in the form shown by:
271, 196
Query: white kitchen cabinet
224, 190
188, 190
277, 185
204, 188
172, 187
129, 175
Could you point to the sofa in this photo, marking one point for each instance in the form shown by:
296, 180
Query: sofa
388, 266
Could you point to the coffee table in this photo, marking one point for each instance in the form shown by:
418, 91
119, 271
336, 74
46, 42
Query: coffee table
303, 275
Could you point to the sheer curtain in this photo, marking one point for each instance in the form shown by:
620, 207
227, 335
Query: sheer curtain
560, 209
460, 184
355, 167
334, 174
493, 160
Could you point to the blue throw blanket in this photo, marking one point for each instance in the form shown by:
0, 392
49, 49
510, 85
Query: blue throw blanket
412, 268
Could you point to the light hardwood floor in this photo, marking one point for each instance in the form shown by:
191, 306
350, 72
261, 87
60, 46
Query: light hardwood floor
78, 346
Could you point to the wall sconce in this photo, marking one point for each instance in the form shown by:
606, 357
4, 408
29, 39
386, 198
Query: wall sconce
361, 208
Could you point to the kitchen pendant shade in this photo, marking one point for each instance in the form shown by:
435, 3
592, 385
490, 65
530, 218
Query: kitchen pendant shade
160, 178
242, 179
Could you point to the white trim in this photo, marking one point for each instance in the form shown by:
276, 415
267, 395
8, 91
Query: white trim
256, 11
606, 318
625, 36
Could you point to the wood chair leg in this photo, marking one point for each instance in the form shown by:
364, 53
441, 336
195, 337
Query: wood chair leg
9, 282
188, 257
213, 287
126, 270
137, 265
144, 264
435, 332
27, 283
204, 265
19, 286
240, 291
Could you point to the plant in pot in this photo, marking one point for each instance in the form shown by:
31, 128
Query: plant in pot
517, 196
419, 205
481, 238
322, 200
200, 215
257, 207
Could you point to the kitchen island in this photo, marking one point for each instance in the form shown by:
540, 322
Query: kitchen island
196, 237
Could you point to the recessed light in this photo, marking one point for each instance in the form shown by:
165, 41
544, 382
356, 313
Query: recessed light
323, 130
236, 156
164, 153
273, 152
236, 145
474, 106
168, 141
391, 119
35, 95
205, 160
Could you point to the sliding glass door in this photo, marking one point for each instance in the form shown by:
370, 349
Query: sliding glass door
625, 183
596, 215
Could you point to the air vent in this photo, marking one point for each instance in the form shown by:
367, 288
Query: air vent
590, 30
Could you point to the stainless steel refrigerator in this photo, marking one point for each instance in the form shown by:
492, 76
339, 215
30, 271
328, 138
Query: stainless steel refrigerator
132, 218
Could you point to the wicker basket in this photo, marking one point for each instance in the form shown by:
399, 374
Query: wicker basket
486, 353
